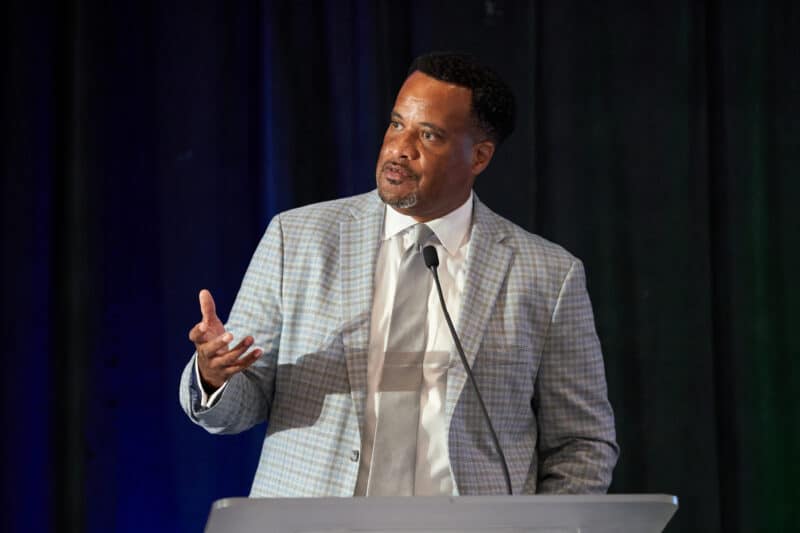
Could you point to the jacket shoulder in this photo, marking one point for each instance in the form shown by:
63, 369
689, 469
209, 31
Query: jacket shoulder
524, 242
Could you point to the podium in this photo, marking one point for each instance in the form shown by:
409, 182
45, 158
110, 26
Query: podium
639, 513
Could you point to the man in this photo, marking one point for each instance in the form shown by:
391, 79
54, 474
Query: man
351, 409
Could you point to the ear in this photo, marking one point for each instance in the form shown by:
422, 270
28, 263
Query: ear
482, 153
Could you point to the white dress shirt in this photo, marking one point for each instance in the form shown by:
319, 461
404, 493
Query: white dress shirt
433, 473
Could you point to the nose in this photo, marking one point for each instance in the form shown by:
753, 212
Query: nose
403, 145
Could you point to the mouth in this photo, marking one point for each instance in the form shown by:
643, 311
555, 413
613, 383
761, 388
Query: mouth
396, 174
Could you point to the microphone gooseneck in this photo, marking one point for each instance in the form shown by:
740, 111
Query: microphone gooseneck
432, 262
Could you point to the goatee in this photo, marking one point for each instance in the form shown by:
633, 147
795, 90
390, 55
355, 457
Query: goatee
402, 202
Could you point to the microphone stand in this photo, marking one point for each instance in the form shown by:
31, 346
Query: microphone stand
432, 262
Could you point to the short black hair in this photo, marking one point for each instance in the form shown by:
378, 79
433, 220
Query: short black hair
493, 106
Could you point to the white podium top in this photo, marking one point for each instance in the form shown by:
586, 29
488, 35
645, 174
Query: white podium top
640, 513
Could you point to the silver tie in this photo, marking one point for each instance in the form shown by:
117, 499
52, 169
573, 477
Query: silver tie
394, 453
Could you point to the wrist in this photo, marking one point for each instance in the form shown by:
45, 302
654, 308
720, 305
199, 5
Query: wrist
208, 386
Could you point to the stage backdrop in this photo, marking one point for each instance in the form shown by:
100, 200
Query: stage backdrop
147, 144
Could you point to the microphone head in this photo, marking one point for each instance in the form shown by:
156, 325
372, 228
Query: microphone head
431, 257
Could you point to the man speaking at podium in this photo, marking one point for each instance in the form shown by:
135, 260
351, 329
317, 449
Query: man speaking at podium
338, 340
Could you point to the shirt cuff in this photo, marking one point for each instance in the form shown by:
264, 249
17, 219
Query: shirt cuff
206, 401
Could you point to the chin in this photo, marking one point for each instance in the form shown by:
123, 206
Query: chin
399, 201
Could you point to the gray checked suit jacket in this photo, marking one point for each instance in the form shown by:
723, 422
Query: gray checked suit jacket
526, 325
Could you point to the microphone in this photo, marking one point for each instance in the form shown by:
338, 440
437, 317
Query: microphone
432, 262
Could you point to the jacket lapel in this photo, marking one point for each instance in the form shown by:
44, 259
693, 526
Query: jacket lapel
487, 267
359, 241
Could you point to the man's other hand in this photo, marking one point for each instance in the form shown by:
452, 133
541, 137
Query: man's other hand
215, 360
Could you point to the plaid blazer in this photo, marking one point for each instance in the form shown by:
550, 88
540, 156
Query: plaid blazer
526, 326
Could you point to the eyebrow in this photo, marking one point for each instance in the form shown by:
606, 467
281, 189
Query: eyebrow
436, 129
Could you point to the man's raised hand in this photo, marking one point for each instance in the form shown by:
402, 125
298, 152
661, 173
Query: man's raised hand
215, 360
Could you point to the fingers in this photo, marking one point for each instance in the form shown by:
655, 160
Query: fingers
232, 357
211, 326
199, 333
202, 333
207, 306
215, 347
233, 361
223, 363
216, 362
245, 361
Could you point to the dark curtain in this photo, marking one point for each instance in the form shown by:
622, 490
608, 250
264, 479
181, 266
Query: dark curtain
147, 144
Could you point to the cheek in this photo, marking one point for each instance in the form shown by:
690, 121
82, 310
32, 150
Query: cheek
459, 163
387, 142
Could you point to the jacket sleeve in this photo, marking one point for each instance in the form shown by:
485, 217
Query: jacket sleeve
248, 395
577, 450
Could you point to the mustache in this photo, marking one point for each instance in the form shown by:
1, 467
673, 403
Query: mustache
400, 167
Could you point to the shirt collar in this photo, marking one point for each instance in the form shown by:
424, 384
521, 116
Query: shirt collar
450, 229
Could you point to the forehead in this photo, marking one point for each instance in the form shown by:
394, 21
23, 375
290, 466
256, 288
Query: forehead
423, 97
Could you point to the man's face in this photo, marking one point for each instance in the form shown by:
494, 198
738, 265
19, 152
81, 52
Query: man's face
431, 151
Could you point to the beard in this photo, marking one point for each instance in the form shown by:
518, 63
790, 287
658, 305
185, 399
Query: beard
398, 201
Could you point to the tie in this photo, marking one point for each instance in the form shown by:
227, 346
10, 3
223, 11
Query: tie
394, 453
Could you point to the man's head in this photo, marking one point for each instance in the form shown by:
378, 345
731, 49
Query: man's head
450, 115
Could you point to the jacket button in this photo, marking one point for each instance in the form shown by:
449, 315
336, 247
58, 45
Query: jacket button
354, 455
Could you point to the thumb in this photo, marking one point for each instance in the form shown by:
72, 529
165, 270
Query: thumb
207, 307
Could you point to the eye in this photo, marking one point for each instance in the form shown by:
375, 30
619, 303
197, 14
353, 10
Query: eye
429, 135
393, 124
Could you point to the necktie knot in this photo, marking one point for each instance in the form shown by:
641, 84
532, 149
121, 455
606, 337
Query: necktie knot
422, 234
